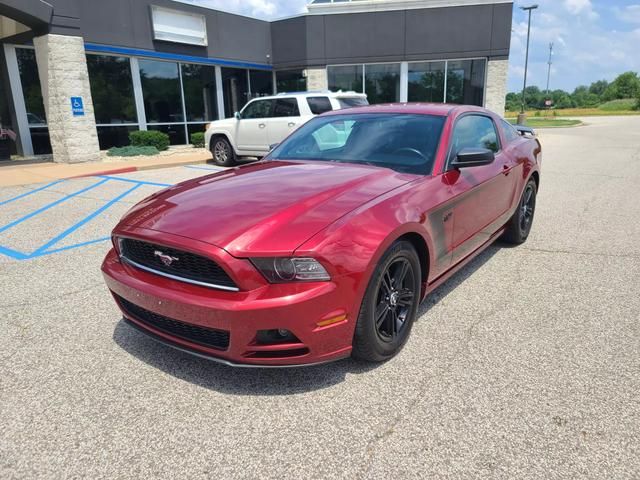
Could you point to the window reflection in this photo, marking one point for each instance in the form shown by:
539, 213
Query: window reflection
236, 90
465, 82
382, 83
261, 83
161, 91
291, 81
200, 96
426, 82
346, 78
31, 86
111, 89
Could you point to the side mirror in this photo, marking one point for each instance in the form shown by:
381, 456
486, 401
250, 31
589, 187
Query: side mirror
273, 146
473, 157
238, 115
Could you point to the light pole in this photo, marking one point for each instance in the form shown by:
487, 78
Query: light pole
522, 117
550, 63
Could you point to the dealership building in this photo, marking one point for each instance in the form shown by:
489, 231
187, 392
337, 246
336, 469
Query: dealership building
76, 76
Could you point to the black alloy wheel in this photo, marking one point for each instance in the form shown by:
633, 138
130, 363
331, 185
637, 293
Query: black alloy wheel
389, 306
520, 224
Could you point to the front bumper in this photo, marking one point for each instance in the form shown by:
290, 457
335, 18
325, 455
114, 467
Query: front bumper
298, 308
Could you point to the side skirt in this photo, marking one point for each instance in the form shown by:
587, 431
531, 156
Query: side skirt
449, 273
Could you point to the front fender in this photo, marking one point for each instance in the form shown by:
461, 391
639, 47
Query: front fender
353, 245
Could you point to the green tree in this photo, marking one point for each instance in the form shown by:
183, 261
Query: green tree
598, 88
626, 85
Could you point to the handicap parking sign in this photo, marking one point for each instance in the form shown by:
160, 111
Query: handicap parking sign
77, 107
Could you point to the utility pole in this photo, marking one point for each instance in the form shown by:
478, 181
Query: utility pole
522, 117
550, 63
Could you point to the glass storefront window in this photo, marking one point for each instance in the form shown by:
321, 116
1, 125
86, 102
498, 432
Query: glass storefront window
426, 82
200, 96
261, 83
346, 78
40, 140
382, 83
196, 128
117, 136
111, 89
176, 132
161, 91
235, 86
31, 86
291, 81
465, 82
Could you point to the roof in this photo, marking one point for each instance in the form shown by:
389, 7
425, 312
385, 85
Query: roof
312, 93
438, 109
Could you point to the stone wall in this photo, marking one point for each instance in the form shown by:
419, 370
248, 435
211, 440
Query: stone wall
317, 79
62, 67
497, 85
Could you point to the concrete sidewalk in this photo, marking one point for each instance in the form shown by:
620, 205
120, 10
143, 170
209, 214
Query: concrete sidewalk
26, 174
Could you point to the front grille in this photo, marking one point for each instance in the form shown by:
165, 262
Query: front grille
207, 337
184, 266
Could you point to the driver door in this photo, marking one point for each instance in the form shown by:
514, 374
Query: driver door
252, 129
482, 194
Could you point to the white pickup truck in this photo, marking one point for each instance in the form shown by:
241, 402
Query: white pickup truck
266, 121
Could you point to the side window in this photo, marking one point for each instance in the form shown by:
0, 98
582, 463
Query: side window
319, 105
474, 131
286, 107
258, 109
510, 133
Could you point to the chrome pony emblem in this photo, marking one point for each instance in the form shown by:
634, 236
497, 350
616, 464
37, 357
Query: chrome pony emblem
164, 258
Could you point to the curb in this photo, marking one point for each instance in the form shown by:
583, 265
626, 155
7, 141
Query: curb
116, 171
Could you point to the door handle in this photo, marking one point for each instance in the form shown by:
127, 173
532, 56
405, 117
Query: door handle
262, 125
292, 124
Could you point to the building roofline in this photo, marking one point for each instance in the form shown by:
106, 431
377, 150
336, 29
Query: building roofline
362, 6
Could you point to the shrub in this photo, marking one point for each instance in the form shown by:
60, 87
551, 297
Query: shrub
197, 139
618, 105
149, 138
132, 151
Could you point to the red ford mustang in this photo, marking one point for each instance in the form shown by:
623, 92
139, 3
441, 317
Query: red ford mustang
325, 248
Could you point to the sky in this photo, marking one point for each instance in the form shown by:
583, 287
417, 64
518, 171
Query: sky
593, 39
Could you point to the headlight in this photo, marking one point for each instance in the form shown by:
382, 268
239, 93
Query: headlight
285, 269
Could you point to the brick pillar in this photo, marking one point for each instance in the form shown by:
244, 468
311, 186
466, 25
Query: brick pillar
496, 91
317, 79
62, 67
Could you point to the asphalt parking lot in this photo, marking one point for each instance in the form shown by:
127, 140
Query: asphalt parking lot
526, 364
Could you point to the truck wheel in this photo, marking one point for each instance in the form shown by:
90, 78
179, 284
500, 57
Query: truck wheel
223, 153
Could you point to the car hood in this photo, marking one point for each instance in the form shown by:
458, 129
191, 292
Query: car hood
269, 207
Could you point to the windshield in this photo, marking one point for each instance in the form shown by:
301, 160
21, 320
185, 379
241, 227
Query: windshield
402, 142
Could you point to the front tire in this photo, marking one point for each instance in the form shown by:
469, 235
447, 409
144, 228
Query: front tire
222, 151
519, 226
389, 306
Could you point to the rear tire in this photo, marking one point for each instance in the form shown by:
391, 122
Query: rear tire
389, 306
222, 151
519, 225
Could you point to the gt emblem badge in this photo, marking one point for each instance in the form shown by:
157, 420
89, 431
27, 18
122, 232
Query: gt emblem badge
164, 258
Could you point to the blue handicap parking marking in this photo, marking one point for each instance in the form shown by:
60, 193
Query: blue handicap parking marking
57, 243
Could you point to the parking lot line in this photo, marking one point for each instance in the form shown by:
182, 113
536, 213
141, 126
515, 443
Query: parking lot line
51, 205
88, 218
212, 169
4, 202
132, 180
48, 248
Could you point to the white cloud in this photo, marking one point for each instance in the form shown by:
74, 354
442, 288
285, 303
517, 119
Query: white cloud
581, 7
631, 13
266, 9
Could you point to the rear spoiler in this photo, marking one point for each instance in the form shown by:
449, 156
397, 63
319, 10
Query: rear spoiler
525, 131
